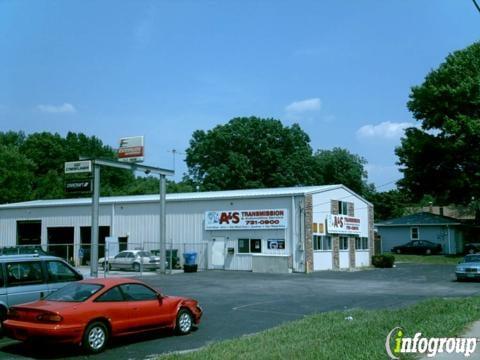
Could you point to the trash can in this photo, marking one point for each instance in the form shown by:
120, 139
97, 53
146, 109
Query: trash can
190, 262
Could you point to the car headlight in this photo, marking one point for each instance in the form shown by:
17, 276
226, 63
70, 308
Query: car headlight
460, 268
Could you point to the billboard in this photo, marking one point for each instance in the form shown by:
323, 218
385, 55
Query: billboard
343, 224
246, 219
131, 149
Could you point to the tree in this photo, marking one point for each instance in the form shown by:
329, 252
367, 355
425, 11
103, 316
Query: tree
339, 166
250, 153
388, 204
440, 158
16, 175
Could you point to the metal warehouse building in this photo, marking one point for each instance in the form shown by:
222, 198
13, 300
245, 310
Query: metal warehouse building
299, 229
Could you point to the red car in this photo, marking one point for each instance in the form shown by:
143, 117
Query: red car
89, 312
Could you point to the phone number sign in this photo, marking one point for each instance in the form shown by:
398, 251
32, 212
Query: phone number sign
246, 219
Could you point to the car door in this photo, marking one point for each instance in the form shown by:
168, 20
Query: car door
26, 281
129, 260
146, 310
118, 260
113, 305
412, 247
59, 274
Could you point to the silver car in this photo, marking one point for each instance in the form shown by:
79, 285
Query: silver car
468, 268
135, 260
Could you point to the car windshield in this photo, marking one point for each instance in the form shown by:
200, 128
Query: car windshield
472, 258
75, 292
144, 254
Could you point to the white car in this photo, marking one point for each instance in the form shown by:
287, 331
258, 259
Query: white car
135, 260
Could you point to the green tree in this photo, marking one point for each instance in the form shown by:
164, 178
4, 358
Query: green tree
16, 175
388, 204
339, 166
250, 153
440, 158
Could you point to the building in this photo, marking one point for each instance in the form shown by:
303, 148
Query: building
446, 231
299, 229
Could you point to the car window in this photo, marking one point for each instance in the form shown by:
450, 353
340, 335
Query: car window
111, 295
415, 243
24, 273
121, 255
130, 255
144, 254
57, 271
74, 292
472, 258
138, 292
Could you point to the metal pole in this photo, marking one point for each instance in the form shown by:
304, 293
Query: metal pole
94, 230
163, 230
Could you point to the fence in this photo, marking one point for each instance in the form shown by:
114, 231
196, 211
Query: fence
80, 254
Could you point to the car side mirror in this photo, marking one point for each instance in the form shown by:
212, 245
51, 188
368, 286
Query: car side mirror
160, 298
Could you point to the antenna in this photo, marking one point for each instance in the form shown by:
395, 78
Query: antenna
174, 153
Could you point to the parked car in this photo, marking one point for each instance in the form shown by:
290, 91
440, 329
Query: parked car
131, 260
471, 248
92, 311
418, 247
468, 268
25, 278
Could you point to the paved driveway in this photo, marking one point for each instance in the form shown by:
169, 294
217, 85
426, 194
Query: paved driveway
238, 303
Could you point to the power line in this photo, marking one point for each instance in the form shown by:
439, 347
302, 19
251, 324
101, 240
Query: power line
476, 5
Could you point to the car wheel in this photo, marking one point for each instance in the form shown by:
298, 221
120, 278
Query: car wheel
136, 267
428, 252
95, 337
184, 322
471, 251
398, 251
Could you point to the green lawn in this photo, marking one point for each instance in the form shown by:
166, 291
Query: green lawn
428, 259
330, 336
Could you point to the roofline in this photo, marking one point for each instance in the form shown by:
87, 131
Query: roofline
152, 198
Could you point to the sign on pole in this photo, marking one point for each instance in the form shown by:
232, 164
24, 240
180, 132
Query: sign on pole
74, 167
78, 186
131, 149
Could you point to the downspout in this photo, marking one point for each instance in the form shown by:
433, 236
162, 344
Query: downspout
292, 233
112, 220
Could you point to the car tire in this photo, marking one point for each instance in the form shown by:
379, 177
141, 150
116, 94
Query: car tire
398, 251
95, 337
428, 252
471, 251
136, 267
184, 322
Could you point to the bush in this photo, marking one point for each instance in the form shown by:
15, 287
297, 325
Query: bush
383, 261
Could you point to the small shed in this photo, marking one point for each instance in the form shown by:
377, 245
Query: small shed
438, 229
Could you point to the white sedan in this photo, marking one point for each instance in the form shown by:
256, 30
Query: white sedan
135, 260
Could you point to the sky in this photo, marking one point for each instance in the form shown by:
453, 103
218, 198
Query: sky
163, 69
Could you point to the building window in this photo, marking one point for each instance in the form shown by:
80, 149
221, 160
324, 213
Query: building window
273, 244
243, 245
361, 243
343, 243
322, 242
414, 233
246, 246
342, 208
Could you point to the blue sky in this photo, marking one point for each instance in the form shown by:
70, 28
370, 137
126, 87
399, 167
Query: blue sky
342, 70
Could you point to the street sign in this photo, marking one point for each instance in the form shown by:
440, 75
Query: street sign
74, 167
131, 149
78, 186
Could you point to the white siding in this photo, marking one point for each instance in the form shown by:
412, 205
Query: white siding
322, 260
344, 259
362, 258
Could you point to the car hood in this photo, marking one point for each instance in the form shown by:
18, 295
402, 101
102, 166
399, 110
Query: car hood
469, 264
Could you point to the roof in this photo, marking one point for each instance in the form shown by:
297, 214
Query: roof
191, 196
421, 218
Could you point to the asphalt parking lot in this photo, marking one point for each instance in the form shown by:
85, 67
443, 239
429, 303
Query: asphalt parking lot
239, 303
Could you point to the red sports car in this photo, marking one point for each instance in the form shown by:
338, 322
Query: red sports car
89, 312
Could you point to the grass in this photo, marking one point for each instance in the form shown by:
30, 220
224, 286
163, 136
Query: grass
330, 336
428, 259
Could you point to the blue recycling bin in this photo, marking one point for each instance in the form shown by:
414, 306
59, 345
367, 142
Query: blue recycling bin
190, 258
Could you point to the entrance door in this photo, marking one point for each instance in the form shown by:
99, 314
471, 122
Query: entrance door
218, 253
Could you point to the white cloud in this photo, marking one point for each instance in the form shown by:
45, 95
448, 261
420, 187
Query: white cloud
385, 130
303, 106
57, 109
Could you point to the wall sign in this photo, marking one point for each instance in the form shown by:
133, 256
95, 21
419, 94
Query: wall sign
131, 149
343, 224
74, 167
276, 244
246, 219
